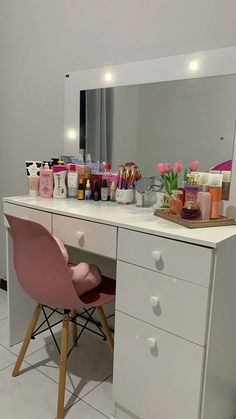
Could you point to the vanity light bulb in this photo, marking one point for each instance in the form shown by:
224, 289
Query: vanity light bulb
72, 134
108, 76
193, 66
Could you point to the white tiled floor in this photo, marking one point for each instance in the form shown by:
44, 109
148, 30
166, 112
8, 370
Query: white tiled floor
34, 392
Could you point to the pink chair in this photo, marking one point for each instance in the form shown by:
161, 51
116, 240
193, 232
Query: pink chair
44, 275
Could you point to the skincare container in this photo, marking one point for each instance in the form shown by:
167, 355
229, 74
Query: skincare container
59, 174
226, 176
33, 168
204, 202
46, 181
215, 189
88, 193
104, 190
72, 181
80, 194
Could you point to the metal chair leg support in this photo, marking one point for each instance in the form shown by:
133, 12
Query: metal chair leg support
74, 326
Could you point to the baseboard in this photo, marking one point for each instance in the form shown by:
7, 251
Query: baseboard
3, 284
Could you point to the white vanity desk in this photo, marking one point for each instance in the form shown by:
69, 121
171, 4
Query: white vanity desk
175, 343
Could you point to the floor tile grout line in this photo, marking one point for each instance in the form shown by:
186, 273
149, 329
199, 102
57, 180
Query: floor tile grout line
94, 408
97, 385
7, 349
1, 370
50, 378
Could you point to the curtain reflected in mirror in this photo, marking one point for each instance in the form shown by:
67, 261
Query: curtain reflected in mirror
97, 111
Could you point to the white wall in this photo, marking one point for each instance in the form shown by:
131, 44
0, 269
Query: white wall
184, 120
40, 40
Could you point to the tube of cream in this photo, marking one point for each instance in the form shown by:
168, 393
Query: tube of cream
32, 168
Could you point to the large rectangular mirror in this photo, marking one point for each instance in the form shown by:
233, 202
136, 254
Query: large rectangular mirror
168, 109
158, 122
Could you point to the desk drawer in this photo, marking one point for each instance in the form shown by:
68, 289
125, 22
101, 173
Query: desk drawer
86, 235
156, 374
40, 217
180, 260
169, 303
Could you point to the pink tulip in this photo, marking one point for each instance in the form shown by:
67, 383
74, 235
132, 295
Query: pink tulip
161, 168
194, 165
167, 167
178, 167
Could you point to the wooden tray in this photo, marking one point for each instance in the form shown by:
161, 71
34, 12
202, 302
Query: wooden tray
222, 221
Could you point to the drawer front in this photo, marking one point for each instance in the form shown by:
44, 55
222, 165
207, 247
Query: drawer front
180, 260
86, 235
40, 217
164, 381
169, 303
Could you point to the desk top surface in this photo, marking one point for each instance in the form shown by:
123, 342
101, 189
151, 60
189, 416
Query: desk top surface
126, 216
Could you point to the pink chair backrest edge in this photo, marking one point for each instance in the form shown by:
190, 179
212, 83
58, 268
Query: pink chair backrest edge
40, 265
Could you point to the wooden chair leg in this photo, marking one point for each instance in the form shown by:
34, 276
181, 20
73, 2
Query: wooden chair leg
74, 326
106, 328
63, 363
27, 339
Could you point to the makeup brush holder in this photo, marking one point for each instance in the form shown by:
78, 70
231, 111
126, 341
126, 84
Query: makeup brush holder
124, 196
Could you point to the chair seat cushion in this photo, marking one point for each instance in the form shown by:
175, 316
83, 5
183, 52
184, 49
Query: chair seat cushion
103, 294
84, 277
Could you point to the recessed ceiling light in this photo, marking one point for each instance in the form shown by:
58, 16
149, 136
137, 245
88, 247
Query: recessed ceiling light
193, 65
71, 134
108, 76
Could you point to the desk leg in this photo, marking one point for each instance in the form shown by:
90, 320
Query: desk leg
20, 305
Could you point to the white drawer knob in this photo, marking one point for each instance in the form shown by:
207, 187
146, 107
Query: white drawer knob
154, 301
79, 235
156, 255
151, 342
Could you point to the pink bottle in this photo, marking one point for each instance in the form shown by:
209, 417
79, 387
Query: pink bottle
46, 182
204, 200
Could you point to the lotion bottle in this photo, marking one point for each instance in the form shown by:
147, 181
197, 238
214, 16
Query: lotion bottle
46, 181
59, 174
204, 202
72, 181
215, 187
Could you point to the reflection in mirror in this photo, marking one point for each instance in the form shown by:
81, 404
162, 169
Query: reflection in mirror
184, 120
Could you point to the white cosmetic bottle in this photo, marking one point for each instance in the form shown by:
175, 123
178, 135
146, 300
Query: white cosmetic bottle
59, 174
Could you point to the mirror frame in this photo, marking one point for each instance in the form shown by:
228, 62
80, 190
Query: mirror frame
209, 63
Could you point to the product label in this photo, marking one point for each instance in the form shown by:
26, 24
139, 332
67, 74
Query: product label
87, 195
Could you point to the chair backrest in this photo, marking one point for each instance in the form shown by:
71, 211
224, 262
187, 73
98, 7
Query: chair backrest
40, 266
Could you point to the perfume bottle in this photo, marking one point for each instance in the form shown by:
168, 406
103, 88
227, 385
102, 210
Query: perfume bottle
191, 209
176, 202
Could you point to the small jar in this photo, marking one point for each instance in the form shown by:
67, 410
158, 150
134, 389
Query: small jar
191, 210
176, 202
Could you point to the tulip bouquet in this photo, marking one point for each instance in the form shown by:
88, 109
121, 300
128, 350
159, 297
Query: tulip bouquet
170, 175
